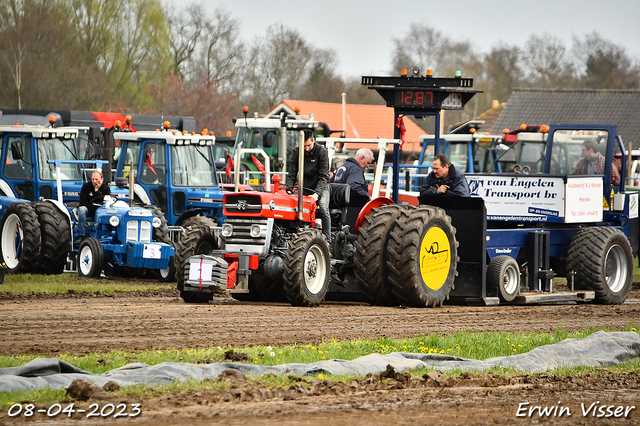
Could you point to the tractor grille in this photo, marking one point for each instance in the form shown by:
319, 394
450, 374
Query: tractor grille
139, 230
243, 203
241, 239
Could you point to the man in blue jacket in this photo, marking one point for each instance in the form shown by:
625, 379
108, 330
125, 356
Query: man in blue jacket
444, 180
352, 173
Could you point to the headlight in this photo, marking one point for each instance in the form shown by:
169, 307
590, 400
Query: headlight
255, 231
156, 222
114, 221
227, 230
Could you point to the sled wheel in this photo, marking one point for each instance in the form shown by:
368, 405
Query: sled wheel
56, 238
307, 268
371, 255
20, 239
503, 274
422, 257
601, 258
195, 240
90, 258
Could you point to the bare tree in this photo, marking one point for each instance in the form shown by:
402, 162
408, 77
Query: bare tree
321, 83
275, 65
187, 26
605, 65
502, 72
546, 62
221, 51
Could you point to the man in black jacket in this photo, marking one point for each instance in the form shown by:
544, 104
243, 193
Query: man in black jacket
316, 176
91, 196
352, 173
444, 180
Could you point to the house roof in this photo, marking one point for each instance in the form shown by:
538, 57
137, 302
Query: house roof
362, 121
547, 106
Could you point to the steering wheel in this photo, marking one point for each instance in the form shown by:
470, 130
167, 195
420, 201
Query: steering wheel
305, 191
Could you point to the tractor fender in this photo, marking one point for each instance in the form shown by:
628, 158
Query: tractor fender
141, 194
6, 189
376, 202
190, 213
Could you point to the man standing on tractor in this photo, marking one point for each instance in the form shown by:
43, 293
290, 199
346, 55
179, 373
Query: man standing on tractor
593, 162
444, 180
91, 196
352, 173
316, 176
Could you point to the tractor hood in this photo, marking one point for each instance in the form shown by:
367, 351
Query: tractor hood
269, 205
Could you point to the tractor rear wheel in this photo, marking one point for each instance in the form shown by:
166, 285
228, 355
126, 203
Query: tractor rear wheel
372, 255
307, 268
503, 274
195, 240
90, 258
56, 238
601, 258
422, 257
20, 238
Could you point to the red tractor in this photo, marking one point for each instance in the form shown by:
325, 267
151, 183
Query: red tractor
272, 249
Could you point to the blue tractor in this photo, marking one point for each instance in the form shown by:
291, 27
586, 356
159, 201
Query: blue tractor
38, 230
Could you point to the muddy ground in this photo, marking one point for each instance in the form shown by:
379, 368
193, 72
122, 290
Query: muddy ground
84, 323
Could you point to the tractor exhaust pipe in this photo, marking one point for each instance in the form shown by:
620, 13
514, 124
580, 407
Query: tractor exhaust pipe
300, 173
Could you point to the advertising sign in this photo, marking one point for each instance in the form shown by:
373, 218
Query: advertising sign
520, 198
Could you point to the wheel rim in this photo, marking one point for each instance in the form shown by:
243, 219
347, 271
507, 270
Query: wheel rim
86, 260
510, 280
315, 270
12, 236
616, 268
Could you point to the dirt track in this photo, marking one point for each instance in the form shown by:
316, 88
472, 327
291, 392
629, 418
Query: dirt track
49, 325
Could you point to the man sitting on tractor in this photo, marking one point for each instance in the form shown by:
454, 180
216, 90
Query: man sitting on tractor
91, 197
316, 176
444, 180
352, 173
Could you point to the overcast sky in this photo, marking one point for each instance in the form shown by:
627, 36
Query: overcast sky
362, 32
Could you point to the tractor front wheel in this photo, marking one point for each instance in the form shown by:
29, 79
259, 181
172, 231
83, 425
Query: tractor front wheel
307, 268
90, 258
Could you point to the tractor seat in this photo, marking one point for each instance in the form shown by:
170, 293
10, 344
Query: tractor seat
338, 201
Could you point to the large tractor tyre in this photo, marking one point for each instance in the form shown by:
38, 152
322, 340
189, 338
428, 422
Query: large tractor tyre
422, 257
371, 255
20, 238
56, 238
198, 221
195, 240
269, 289
503, 275
307, 268
160, 233
601, 258
90, 258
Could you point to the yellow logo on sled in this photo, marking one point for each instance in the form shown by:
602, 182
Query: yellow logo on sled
435, 258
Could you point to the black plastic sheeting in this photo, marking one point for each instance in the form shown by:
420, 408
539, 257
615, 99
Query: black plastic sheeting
599, 349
